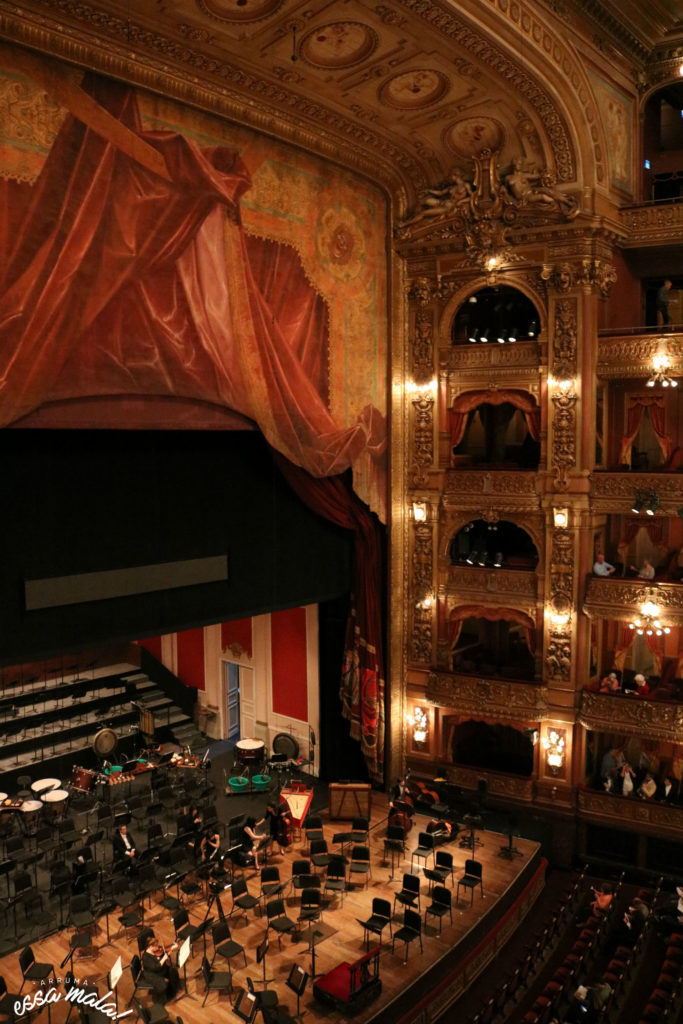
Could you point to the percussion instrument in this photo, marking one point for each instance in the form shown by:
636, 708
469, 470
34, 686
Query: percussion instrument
250, 750
41, 786
105, 742
55, 800
83, 779
284, 743
31, 808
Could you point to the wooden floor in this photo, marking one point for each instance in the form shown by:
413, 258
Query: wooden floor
345, 941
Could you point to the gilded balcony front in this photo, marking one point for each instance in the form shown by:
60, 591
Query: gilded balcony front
501, 699
651, 224
628, 355
502, 586
515, 489
628, 713
615, 492
610, 598
631, 813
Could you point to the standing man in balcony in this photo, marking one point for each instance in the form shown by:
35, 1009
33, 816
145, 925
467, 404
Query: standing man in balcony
601, 567
662, 304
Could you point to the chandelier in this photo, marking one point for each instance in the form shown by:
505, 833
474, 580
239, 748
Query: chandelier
649, 623
659, 375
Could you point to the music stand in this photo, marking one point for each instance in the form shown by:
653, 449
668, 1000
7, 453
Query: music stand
113, 978
296, 982
183, 956
261, 952
510, 851
246, 1005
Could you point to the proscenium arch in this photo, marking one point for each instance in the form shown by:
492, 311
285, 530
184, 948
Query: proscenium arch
473, 285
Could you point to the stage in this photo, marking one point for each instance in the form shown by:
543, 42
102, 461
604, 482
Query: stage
430, 981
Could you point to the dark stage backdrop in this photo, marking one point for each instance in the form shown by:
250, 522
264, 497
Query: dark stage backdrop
90, 501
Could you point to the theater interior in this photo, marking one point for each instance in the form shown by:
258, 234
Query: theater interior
341, 595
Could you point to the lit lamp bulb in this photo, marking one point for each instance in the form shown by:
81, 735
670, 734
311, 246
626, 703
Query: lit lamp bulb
418, 723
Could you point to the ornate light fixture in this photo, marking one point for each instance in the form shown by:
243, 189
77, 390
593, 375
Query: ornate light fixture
660, 365
419, 509
560, 518
649, 623
554, 747
417, 720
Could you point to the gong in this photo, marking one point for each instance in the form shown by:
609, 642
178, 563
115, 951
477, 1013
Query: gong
105, 742
283, 743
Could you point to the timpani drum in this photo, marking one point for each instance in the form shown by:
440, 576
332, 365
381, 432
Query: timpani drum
30, 809
83, 779
41, 786
250, 751
55, 801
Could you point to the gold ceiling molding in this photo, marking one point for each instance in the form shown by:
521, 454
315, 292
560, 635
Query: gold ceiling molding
152, 61
501, 64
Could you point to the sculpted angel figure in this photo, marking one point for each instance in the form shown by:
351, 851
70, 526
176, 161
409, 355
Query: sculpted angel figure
438, 202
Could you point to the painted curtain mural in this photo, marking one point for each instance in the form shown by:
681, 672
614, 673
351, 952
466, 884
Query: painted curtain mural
163, 268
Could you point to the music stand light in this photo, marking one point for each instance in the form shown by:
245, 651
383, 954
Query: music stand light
296, 982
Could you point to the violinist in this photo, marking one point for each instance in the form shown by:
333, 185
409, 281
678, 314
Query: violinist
158, 968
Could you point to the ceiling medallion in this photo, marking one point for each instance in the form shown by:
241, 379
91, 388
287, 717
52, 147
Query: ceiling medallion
341, 44
412, 90
239, 11
469, 136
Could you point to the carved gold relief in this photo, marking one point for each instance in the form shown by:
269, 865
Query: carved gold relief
423, 438
641, 815
621, 599
633, 715
558, 657
422, 585
506, 701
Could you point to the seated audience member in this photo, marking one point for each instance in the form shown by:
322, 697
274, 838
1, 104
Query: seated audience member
647, 788
665, 790
646, 572
669, 917
601, 567
603, 899
642, 685
610, 684
627, 776
635, 917
609, 783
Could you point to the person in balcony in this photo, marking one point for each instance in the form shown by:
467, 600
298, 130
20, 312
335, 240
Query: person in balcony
627, 776
646, 572
601, 567
642, 685
665, 790
647, 788
610, 684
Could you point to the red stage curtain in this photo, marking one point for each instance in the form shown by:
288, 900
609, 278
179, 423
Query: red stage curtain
454, 631
626, 637
465, 403
654, 646
479, 611
634, 418
654, 529
362, 685
120, 282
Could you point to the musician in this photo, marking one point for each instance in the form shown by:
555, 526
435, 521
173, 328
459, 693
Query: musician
252, 840
400, 791
279, 824
124, 847
159, 969
210, 845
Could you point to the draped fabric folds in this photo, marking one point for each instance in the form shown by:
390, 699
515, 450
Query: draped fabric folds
480, 611
625, 640
636, 410
631, 527
467, 402
362, 685
119, 282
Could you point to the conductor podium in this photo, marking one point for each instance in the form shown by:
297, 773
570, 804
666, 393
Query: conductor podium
350, 800
350, 987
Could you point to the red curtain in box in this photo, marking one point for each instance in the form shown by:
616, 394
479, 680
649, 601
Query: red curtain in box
480, 611
470, 400
637, 404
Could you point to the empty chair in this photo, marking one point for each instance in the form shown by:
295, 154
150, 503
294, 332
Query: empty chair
271, 886
183, 928
440, 905
223, 943
410, 930
424, 849
80, 911
409, 895
300, 869
155, 1014
360, 830
335, 879
277, 919
320, 856
471, 879
215, 981
443, 864
360, 862
241, 897
31, 970
395, 843
314, 828
378, 920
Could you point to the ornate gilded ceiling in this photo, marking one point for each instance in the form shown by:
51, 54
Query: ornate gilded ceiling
404, 90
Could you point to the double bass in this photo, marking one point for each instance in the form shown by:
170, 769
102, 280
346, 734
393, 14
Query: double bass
284, 828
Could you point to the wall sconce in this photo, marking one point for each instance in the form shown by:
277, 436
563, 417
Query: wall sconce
559, 619
560, 518
554, 747
426, 602
420, 511
418, 723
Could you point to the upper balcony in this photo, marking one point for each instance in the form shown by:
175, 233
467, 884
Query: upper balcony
614, 491
648, 225
631, 715
629, 352
506, 586
610, 598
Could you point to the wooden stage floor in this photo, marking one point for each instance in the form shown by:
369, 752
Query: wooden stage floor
501, 878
